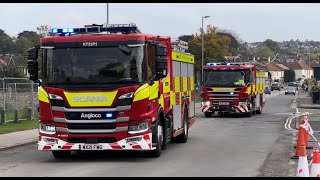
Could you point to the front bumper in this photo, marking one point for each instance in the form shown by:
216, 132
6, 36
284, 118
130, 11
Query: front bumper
242, 108
141, 142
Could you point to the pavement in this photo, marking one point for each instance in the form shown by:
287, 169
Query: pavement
305, 101
304, 104
19, 138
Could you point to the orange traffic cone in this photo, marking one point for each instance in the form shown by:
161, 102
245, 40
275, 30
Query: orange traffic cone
307, 135
315, 167
301, 140
302, 170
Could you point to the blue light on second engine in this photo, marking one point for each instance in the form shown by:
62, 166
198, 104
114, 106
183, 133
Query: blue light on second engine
108, 115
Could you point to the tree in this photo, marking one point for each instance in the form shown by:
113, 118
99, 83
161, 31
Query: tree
26, 40
43, 30
186, 38
234, 44
289, 75
215, 47
264, 52
273, 45
6, 43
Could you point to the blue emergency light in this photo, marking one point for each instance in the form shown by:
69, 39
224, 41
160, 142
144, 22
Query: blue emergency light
95, 29
108, 115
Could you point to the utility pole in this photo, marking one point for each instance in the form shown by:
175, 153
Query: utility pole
202, 33
107, 14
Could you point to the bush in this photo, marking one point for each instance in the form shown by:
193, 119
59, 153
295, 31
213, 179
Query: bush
315, 88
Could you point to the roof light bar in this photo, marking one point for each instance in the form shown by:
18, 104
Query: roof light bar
96, 29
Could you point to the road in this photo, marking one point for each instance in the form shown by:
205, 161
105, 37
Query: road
217, 146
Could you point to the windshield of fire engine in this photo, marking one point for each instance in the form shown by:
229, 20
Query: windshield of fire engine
224, 78
120, 64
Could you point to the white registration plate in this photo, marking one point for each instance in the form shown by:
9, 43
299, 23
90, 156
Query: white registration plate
223, 103
91, 147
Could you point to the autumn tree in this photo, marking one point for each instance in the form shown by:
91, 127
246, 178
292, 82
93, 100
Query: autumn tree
215, 47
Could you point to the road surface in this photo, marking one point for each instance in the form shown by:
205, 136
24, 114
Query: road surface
217, 146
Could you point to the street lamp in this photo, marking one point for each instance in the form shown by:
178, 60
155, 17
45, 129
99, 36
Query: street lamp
202, 33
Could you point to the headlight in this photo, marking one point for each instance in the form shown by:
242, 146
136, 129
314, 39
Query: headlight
47, 128
207, 103
242, 103
125, 96
138, 128
53, 96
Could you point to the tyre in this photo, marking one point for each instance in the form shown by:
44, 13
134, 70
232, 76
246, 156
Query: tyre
182, 138
249, 114
158, 130
61, 154
285, 93
259, 111
208, 114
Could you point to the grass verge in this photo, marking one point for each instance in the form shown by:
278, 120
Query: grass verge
22, 125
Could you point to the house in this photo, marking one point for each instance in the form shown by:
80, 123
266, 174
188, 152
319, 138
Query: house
300, 68
276, 71
314, 63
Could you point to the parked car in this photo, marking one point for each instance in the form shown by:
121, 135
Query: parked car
290, 90
267, 90
275, 86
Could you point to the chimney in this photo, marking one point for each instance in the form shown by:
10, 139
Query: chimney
268, 59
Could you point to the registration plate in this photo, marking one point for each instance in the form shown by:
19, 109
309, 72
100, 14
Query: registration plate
91, 147
223, 103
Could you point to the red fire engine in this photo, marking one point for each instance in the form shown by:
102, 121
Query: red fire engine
232, 88
112, 88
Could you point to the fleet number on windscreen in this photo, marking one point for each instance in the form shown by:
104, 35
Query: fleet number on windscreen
89, 44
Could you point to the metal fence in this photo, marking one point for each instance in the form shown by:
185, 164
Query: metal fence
19, 99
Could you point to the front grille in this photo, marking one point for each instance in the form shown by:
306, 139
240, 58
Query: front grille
59, 103
91, 126
91, 140
223, 96
90, 115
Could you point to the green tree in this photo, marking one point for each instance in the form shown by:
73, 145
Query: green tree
186, 38
6, 43
26, 40
273, 45
215, 47
234, 43
264, 52
289, 75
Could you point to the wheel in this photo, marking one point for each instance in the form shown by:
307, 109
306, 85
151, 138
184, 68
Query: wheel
249, 114
285, 93
208, 114
61, 154
259, 111
159, 140
182, 138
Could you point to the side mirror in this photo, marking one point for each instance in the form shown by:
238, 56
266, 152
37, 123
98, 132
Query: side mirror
33, 53
161, 50
33, 63
161, 61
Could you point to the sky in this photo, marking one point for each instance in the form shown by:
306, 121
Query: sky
252, 22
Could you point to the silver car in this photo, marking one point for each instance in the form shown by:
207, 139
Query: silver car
291, 90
